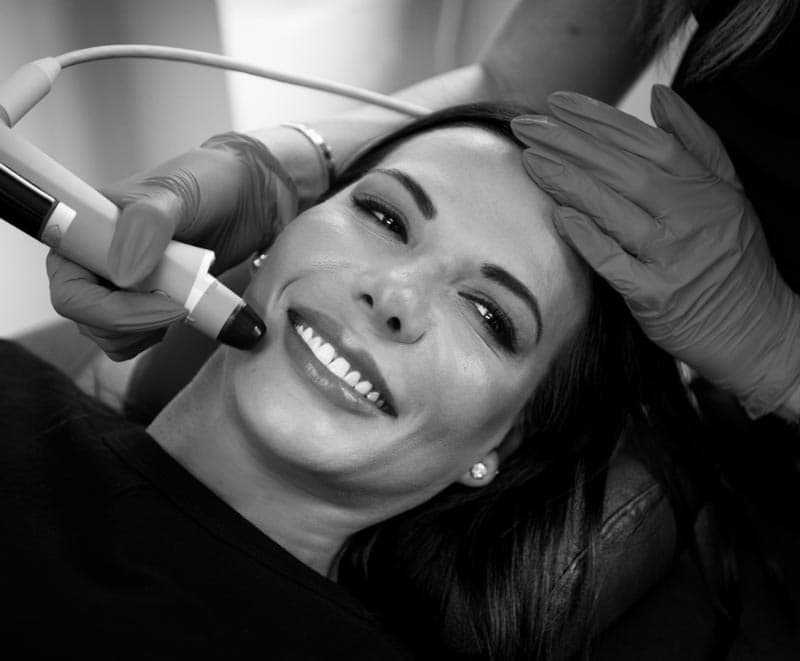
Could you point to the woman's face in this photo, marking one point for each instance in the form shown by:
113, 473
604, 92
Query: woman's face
409, 319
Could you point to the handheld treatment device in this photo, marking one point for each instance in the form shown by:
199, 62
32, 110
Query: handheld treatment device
48, 202
45, 200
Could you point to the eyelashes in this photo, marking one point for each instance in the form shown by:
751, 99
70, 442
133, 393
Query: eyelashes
384, 215
494, 319
497, 321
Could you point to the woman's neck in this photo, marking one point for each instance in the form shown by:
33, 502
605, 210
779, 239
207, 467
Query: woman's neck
197, 429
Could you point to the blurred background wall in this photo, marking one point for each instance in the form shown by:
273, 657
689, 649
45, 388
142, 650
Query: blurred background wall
106, 120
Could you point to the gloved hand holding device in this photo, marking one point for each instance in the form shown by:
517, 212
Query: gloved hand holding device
231, 196
661, 215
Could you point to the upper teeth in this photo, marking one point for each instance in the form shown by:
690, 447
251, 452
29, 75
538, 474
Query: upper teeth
336, 364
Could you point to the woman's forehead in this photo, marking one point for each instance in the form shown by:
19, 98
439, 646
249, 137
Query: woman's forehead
444, 143
476, 179
473, 166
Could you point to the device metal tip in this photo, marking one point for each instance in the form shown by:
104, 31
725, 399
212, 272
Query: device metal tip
244, 329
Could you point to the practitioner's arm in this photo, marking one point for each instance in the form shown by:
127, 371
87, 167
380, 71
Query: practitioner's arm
590, 46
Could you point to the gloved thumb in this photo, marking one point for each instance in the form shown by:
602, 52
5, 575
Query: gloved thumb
143, 230
672, 114
603, 254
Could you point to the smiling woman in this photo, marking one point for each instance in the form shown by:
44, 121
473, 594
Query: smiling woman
495, 572
424, 288
428, 424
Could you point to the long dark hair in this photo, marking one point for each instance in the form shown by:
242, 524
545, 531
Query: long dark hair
746, 31
495, 572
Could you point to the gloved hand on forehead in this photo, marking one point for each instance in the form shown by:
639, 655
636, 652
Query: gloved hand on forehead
661, 215
231, 196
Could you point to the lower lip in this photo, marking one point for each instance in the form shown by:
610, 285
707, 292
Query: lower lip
329, 385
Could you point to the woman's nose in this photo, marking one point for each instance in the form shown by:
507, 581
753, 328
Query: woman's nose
396, 303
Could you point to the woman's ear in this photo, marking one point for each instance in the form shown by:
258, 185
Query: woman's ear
482, 472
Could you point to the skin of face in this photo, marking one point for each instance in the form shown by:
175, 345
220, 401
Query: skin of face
416, 305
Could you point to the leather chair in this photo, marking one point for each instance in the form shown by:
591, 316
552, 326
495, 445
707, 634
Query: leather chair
669, 613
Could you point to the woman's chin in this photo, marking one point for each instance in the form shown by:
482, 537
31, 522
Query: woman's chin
294, 414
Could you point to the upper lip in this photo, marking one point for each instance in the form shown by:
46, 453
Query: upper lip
359, 359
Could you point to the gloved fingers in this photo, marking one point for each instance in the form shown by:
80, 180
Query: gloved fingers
180, 175
119, 346
672, 114
143, 230
614, 127
79, 295
623, 271
642, 182
628, 224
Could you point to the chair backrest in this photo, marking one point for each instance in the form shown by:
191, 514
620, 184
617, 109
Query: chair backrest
637, 539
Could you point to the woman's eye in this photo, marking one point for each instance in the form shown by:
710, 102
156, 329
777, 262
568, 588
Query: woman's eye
497, 322
384, 216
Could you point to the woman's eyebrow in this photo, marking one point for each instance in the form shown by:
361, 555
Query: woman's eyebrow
503, 278
421, 198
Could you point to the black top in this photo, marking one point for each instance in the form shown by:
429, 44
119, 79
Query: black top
109, 549
750, 105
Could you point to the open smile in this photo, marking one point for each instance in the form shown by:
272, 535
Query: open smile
354, 371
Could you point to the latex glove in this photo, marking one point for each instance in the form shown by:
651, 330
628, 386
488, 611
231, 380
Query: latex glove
231, 196
660, 214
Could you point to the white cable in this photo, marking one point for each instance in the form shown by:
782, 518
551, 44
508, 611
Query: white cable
232, 64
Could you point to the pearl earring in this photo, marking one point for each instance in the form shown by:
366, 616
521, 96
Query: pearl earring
478, 471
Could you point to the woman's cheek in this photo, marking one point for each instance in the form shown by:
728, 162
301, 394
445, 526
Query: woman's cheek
471, 392
318, 236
